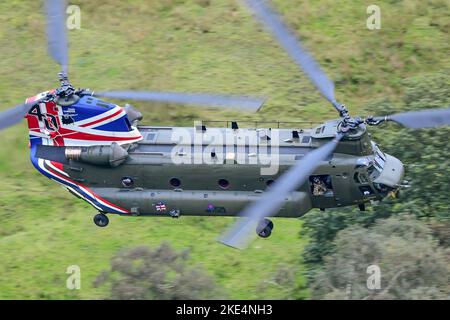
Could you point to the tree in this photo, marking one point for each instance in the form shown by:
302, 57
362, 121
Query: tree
411, 262
323, 226
160, 274
286, 283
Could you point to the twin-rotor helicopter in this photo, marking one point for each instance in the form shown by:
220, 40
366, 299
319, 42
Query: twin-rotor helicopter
100, 153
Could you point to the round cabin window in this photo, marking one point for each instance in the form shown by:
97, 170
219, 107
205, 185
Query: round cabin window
224, 183
127, 182
175, 182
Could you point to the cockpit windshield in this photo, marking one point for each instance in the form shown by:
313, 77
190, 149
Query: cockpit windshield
376, 165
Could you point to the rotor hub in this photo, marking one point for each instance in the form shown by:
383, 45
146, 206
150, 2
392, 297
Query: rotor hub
66, 94
348, 123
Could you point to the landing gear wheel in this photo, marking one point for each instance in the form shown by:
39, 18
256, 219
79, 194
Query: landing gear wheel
101, 220
264, 228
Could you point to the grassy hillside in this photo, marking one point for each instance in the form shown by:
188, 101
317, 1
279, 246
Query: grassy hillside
200, 46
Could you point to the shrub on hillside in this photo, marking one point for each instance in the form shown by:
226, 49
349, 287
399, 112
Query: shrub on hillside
159, 274
412, 265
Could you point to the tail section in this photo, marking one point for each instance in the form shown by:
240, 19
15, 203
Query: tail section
87, 122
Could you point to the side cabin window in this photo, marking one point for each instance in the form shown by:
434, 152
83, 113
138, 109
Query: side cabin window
321, 185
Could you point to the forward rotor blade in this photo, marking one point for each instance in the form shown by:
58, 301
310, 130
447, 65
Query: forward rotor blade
428, 118
242, 103
271, 202
292, 45
14, 115
56, 31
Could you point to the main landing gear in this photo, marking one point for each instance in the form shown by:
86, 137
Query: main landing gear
101, 220
264, 228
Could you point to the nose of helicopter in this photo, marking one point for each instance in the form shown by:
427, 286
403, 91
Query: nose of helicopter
392, 174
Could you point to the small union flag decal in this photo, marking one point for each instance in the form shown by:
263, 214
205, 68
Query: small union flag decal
161, 206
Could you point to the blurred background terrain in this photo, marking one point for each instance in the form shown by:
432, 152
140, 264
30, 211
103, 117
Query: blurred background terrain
216, 46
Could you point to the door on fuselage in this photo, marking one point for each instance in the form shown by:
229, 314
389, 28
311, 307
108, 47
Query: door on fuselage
322, 191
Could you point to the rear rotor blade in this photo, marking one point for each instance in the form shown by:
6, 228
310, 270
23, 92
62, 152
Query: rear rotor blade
271, 202
241, 103
56, 31
292, 45
428, 118
14, 115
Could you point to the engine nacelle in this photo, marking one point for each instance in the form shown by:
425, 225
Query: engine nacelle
113, 155
134, 116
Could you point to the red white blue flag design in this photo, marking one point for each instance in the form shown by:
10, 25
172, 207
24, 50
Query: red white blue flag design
160, 206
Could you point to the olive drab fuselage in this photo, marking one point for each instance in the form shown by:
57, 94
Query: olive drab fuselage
163, 175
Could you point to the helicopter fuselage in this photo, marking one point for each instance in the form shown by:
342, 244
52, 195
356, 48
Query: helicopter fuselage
208, 171
205, 182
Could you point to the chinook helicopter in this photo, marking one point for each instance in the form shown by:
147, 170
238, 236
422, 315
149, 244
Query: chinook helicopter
100, 153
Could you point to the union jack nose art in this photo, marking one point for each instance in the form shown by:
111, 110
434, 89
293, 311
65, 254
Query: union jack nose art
89, 121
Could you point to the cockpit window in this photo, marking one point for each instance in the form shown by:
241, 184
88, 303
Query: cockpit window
373, 171
377, 164
381, 154
378, 152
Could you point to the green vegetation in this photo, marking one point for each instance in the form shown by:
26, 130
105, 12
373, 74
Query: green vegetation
161, 274
412, 264
216, 46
